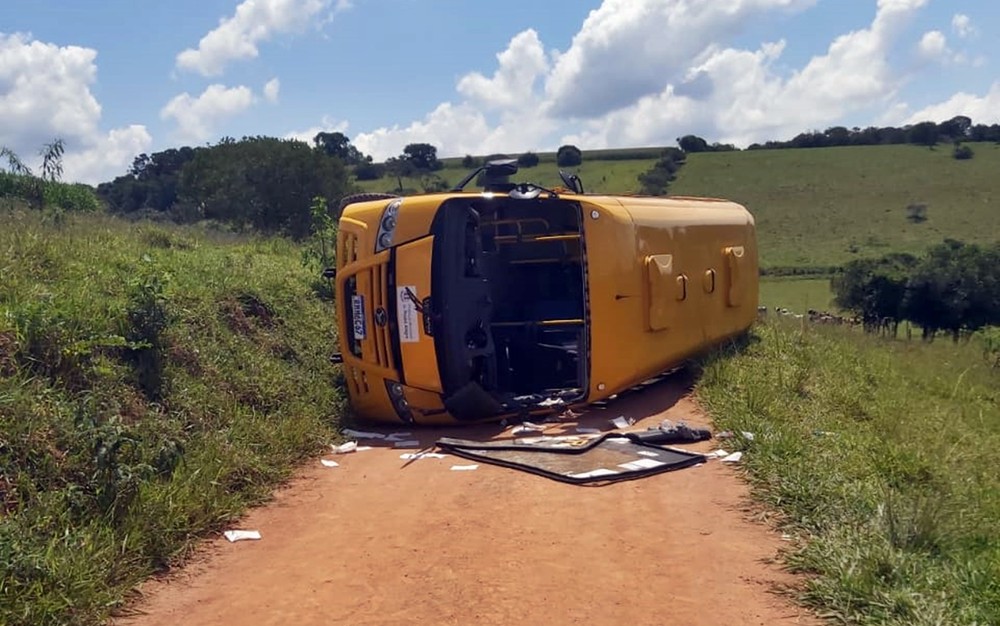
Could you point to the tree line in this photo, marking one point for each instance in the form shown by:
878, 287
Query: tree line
954, 288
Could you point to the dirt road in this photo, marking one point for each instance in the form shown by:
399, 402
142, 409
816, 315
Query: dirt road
382, 541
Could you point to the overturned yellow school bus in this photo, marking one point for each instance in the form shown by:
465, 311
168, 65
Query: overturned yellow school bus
470, 306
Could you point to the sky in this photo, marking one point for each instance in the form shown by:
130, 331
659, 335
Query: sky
116, 78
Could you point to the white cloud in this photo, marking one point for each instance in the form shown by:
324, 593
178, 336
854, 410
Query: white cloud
254, 21
981, 109
328, 125
962, 25
748, 101
662, 85
933, 45
627, 49
45, 94
198, 117
513, 84
271, 90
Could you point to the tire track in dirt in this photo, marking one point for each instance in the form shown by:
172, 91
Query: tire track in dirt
382, 541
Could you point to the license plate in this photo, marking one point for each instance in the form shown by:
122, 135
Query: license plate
358, 315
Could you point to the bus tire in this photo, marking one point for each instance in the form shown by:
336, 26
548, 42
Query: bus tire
361, 197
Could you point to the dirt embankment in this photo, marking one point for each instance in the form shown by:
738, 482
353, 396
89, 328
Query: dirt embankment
380, 540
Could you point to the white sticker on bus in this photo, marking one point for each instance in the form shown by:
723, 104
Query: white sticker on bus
406, 313
358, 315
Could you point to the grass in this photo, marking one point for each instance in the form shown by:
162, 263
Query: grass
154, 382
880, 457
796, 294
815, 208
824, 207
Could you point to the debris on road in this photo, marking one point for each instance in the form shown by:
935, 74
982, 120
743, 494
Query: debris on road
329, 463
408, 443
240, 535
622, 422
464, 468
735, 457
411, 456
527, 427
350, 446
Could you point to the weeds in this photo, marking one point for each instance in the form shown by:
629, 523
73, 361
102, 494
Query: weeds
133, 418
879, 455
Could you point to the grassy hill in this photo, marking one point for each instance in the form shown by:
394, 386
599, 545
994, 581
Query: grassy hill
819, 207
826, 206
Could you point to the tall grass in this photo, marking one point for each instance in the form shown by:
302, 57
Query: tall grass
880, 455
154, 382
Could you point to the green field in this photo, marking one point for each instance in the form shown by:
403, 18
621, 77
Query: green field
796, 294
822, 207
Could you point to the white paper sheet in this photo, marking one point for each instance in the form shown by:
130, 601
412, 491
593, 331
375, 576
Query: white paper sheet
329, 463
240, 535
464, 468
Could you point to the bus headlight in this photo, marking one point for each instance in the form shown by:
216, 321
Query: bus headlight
398, 399
387, 226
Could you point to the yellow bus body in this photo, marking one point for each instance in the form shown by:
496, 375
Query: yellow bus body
661, 279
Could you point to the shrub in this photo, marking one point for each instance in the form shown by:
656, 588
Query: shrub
963, 153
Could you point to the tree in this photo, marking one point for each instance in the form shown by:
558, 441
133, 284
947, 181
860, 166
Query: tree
656, 180
874, 288
422, 156
399, 168
369, 171
923, 134
470, 162
263, 183
569, 156
338, 145
528, 159
692, 143
956, 129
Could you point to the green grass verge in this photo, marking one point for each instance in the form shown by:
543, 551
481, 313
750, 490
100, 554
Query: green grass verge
154, 382
880, 456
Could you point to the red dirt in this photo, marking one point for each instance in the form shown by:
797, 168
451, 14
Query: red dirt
380, 540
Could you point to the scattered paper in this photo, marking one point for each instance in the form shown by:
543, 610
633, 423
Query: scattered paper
552, 402
639, 464
733, 458
588, 431
717, 454
648, 453
344, 448
527, 427
239, 535
748, 436
406, 456
594, 473
622, 422
328, 463
361, 434
350, 446
464, 468
409, 443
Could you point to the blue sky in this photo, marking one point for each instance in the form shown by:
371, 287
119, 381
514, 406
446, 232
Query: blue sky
114, 78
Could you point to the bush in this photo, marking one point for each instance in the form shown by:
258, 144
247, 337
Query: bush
528, 159
963, 153
369, 171
569, 156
